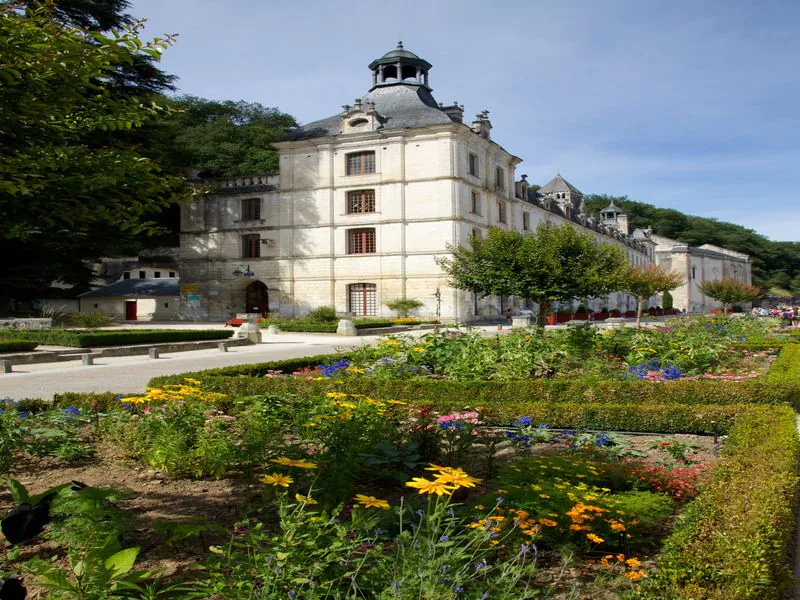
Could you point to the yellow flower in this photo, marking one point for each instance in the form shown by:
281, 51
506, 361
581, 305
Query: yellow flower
193, 381
594, 538
457, 478
548, 523
371, 501
277, 479
397, 402
336, 395
425, 486
288, 462
545, 496
418, 349
634, 575
633, 562
433, 467
618, 527
304, 499
536, 488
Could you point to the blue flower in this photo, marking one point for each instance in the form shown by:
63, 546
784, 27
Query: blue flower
523, 422
480, 565
70, 410
444, 538
524, 548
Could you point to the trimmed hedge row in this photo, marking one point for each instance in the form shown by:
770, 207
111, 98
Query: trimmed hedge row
310, 326
781, 385
17, 345
733, 541
122, 337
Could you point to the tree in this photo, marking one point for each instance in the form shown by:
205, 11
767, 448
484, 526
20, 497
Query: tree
644, 282
68, 176
221, 138
729, 291
550, 264
403, 306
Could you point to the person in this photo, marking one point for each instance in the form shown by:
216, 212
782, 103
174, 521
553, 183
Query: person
509, 312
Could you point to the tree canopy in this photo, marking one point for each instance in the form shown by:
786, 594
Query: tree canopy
550, 264
729, 291
644, 282
774, 263
221, 138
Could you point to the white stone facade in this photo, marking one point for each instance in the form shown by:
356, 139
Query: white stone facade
421, 180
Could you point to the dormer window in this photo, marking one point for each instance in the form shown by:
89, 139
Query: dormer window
358, 122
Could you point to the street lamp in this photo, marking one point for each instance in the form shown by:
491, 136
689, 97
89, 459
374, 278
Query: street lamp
242, 271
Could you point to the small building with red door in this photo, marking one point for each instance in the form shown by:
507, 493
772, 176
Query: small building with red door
148, 299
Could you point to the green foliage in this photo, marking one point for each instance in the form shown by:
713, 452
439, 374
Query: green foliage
553, 263
16, 345
316, 325
120, 337
326, 314
404, 306
93, 321
313, 555
733, 540
644, 282
222, 138
65, 135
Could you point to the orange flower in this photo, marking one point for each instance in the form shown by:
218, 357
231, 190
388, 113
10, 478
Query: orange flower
594, 538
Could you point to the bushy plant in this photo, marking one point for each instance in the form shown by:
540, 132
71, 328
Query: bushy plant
325, 314
93, 320
404, 306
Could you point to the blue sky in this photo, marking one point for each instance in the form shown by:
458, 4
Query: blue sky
686, 105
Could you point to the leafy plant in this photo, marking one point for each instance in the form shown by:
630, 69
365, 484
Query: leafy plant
404, 306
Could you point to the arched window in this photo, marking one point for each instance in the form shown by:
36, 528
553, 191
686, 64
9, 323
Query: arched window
694, 272
362, 299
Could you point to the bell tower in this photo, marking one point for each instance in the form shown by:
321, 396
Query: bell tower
400, 67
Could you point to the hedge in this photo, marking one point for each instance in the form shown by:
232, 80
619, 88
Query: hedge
17, 345
733, 541
781, 385
121, 337
311, 326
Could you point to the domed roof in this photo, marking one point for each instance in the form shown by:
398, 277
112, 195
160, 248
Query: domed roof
400, 54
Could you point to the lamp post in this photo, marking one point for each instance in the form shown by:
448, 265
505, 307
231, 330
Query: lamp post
242, 271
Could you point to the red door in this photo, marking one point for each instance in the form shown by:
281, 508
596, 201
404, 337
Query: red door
130, 310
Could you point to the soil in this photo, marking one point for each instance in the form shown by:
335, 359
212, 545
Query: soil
154, 500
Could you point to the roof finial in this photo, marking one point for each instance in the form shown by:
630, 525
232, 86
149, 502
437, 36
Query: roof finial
400, 45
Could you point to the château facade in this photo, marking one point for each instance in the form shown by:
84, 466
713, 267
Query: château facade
364, 202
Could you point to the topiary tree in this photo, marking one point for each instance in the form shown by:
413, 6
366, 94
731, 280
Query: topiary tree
403, 306
642, 283
668, 301
729, 291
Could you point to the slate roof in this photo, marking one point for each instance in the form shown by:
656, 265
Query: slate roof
137, 288
613, 208
400, 106
558, 184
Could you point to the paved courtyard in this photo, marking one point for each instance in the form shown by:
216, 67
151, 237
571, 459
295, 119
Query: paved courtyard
130, 374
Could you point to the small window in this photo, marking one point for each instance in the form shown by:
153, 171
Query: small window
473, 164
251, 209
500, 178
251, 246
172, 273
526, 221
360, 163
476, 233
362, 299
694, 272
475, 203
96, 305
142, 274
361, 241
126, 275
166, 304
157, 274
501, 212
358, 122
360, 201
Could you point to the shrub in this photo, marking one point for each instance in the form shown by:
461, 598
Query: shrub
17, 345
404, 306
326, 314
734, 539
93, 320
120, 337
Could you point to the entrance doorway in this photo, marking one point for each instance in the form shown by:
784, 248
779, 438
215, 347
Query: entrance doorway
130, 310
256, 298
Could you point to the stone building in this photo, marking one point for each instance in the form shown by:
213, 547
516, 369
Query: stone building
363, 203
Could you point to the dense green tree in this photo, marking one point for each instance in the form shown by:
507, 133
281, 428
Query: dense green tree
221, 138
69, 179
550, 264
